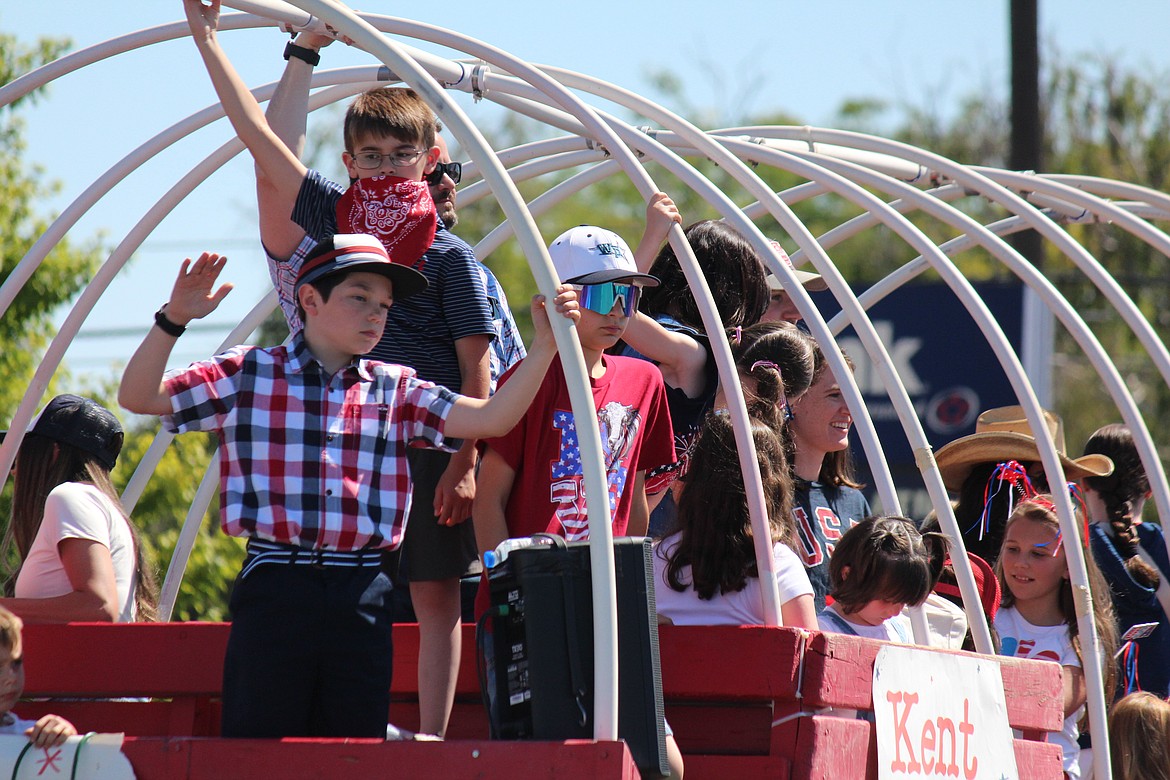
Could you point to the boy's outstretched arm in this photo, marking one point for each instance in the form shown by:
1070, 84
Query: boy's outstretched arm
276, 165
661, 213
142, 390
479, 418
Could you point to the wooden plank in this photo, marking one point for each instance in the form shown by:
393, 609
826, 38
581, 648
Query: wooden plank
165, 659
724, 767
128, 659
729, 662
1039, 760
216, 759
838, 672
704, 728
831, 748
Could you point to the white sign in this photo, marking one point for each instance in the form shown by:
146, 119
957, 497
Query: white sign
86, 757
940, 715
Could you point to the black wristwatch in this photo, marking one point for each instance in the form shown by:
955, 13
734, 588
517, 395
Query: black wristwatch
302, 53
166, 325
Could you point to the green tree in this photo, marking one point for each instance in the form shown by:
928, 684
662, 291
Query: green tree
1100, 119
27, 327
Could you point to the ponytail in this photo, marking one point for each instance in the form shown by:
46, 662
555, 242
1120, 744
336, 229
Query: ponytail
1121, 491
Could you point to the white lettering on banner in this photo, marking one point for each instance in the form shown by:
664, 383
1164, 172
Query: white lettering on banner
901, 352
925, 730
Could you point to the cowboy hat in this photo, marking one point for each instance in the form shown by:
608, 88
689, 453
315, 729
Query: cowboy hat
1003, 434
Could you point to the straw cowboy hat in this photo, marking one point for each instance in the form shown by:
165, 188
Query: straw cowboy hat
1003, 434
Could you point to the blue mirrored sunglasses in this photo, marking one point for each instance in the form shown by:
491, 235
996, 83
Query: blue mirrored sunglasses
601, 298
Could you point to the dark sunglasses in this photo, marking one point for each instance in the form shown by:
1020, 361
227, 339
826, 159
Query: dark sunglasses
452, 169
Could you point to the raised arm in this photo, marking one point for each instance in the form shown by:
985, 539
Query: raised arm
142, 390
661, 213
478, 418
681, 359
287, 114
279, 172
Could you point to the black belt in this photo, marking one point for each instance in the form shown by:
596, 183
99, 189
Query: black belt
261, 552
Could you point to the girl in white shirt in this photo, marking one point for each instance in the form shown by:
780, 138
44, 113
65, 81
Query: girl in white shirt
706, 572
79, 555
1038, 618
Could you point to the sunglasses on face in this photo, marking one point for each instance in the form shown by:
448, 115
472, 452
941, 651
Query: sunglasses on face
601, 298
452, 169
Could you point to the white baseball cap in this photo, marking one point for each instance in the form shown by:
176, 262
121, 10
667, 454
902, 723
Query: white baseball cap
591, 255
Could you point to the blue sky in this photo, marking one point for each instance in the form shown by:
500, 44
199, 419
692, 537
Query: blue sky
747, 56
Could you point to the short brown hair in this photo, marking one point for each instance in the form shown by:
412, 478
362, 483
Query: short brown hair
885, 558
10, 626
394, 111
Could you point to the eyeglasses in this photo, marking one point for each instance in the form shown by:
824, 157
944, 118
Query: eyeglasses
601, 298
452, 169
371, 161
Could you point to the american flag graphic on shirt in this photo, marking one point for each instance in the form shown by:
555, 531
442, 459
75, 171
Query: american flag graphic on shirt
619, 425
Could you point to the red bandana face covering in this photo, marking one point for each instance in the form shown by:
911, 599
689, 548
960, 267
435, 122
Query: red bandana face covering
398, 212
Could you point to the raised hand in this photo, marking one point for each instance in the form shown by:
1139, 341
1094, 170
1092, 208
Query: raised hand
192, 297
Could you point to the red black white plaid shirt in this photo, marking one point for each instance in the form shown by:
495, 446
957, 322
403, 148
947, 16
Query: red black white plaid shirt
306, 458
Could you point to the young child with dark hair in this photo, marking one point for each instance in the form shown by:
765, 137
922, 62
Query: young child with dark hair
775, 361
706, 573
313, 441
48, 730
880, 566
668, 330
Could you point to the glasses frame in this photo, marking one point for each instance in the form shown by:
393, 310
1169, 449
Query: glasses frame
394, 159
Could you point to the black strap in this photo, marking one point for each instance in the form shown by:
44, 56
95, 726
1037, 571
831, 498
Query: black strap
165, 324
302, 53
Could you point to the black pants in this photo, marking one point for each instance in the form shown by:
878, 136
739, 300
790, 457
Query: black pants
309, 654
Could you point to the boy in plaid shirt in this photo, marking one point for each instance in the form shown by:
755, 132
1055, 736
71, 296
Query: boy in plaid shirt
312, 440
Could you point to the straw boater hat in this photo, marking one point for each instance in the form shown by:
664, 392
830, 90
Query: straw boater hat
1003, 434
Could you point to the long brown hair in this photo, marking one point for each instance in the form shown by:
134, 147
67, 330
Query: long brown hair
38, 471
715, 536
837, 468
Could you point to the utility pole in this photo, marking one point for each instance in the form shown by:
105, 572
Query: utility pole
1027, 133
